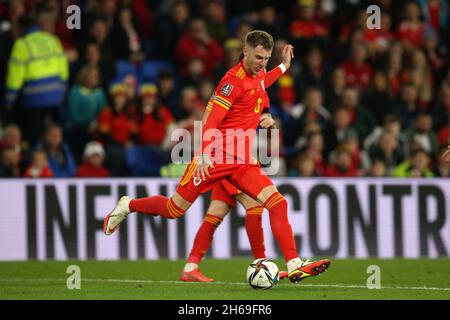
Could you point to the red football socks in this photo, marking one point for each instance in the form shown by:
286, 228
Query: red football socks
204, 238
255, 232
279, 222
156, 205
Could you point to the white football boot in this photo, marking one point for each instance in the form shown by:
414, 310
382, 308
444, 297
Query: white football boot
117, 215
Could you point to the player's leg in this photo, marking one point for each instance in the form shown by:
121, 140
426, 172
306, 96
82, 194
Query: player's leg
253, 222
255, 183
170, 208
253, 226
217, 210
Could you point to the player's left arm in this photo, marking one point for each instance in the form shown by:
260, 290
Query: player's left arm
275, 73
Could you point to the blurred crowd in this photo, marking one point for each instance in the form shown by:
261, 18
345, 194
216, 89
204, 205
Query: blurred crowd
103, 99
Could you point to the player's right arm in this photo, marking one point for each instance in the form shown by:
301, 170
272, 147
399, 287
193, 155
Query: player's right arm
228, 90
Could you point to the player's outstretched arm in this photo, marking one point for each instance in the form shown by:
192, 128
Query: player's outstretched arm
275, 73
446, 155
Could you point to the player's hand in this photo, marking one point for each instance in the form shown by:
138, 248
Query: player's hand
203, 164
446, 155
266, 121
287, 55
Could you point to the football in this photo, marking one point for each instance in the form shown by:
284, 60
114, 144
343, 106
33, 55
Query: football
262, 274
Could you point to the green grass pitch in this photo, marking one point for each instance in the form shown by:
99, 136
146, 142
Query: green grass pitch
158, 280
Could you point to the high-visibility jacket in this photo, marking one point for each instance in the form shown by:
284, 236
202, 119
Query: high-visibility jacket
38, 68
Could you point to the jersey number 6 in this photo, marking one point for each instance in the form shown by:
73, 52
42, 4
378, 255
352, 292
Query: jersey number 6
258, 106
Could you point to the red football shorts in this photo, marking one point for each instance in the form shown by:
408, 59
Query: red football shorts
249, 178
225, 191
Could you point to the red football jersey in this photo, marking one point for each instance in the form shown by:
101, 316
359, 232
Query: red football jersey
243, 97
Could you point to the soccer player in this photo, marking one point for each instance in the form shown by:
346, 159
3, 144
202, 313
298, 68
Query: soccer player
236, 108
223, 197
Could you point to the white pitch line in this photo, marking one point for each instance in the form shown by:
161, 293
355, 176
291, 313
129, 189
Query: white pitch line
221, 283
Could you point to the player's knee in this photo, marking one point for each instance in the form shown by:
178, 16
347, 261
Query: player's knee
256, 211
218, 208
174, 210
275, 200
213, 219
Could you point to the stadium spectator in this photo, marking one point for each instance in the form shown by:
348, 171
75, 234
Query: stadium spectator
378, 97
41, 90
304, 167
435, 53
233, 48
85, 102
170, 26
314, 149
419, 73
411, 28
10, 163
391, 126
337, 129
59, 28
442, 169
406, 108
435, 13
393, 70
311, 73
360, 118
341, 165
311, 109
195, 73
116, 129
99, 32
39, 167
167, 92
388, 150
191, 108
60, 157
270, 22
442, 116
93, 158
154, 121
422, 134
12, 138
215, 17
127, 43
357, 71
205, 90
378, 169
334, 89
196, 42
416, 167
304, 29
93, 57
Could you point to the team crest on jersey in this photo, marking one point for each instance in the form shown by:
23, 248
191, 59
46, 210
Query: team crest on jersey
197, 181
226, 89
